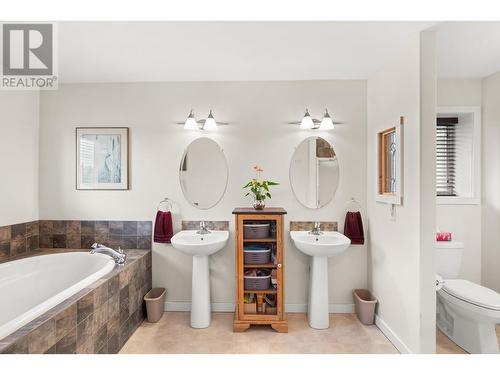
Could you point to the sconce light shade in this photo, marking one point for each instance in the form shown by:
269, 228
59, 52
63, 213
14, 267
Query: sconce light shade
307, 122
191, 123
210, 123
326, 123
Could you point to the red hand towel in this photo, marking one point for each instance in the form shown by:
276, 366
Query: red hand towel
163, 227
353, 228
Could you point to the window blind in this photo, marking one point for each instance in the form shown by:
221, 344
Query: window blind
445, 155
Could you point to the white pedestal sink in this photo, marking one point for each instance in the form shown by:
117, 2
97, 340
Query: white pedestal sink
200, 246
319, 247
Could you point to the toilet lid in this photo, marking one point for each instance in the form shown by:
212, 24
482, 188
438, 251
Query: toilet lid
473, 293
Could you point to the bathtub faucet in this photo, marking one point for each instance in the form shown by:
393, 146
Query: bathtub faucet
118, 256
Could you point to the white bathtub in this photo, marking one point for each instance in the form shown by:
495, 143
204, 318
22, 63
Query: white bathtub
31, 286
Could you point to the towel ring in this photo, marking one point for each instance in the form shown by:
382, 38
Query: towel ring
168, 203
355, 202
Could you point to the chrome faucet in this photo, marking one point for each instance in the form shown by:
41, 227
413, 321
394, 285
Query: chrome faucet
118, 256
317, 229
203, 228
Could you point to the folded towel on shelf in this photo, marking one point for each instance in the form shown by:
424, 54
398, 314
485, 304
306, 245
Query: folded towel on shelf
443, 236
163, 227
353, 228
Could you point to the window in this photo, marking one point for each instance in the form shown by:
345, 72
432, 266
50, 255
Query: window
445, 156
458, 155
387, 162
390, 165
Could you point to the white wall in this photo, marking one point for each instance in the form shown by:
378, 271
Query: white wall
428, 100
18, 156
491, 182
258, 134
395, 262
463, 220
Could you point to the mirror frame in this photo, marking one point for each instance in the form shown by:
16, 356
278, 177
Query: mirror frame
396, 197
290, 173
223, 193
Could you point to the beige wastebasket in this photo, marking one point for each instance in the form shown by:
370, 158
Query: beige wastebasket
364, 305
155, 304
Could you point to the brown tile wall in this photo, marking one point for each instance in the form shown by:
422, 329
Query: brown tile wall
98, 319
75, 234
18, 239
309, 225
211, 225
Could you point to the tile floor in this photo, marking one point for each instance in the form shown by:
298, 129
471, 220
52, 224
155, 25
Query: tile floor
172, 334
445, 346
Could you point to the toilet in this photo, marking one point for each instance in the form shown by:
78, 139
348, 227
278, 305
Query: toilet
466, 312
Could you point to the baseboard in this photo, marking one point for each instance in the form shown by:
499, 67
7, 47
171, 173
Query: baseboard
391, 336
334, 308
186, 306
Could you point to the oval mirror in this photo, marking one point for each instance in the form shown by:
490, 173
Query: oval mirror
314, 172
203, 173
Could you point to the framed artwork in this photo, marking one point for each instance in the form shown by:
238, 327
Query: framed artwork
102, 159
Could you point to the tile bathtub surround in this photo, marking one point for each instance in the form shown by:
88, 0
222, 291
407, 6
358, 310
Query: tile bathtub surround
76, 234
309, 225
18, 239
98, 319
211, 225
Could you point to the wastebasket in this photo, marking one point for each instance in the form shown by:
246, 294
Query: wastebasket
155, 304
364, 305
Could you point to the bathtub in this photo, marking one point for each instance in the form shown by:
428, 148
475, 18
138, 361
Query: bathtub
29, 287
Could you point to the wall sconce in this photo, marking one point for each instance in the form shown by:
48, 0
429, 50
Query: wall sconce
311, 123
204, 124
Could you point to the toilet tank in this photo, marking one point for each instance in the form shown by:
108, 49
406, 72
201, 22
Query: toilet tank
449, 258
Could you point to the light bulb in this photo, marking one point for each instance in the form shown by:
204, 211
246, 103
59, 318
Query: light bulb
307, 122
210, 123
327, 123
191, 123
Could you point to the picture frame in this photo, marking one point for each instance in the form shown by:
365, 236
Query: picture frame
102, 158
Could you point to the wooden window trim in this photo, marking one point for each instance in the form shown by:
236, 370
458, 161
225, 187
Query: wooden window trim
382, 137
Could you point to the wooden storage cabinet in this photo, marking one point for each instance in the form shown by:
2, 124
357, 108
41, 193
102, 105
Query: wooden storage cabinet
260, 301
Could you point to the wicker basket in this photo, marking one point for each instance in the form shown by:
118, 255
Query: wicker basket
256, 254
254, 231
258, 282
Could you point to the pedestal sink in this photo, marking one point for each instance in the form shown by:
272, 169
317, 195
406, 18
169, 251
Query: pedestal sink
200, 246
319, 247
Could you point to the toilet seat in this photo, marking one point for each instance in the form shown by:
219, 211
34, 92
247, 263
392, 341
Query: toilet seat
473, 293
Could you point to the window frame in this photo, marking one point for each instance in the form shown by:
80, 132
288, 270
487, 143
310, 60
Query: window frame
475, 199
396, 197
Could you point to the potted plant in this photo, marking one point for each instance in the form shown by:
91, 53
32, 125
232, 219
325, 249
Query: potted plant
259, 189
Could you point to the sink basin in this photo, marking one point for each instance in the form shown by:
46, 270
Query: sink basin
191, 243
319, 247
200, 246
326, 244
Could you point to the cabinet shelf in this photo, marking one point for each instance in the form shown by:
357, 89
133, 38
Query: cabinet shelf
267, 291
268, 239
264, 265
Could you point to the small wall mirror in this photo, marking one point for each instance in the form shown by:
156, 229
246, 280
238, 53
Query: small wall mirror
389, 151
314, 172
203, 173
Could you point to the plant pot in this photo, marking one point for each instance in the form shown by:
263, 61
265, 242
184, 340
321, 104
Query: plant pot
259, 204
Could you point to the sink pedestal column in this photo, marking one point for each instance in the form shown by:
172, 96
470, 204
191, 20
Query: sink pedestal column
200, 293
318, 314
